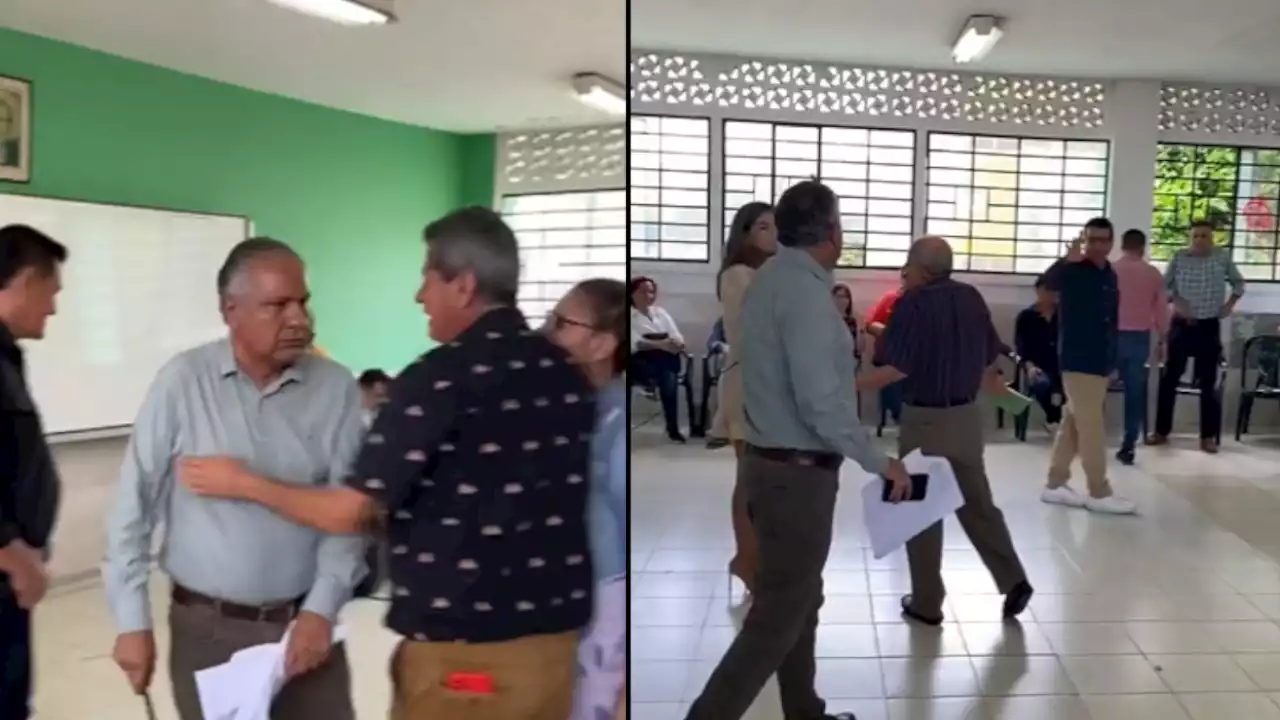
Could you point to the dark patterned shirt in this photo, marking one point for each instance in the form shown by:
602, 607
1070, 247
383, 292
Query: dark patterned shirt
29, 486
942, 338
481, 462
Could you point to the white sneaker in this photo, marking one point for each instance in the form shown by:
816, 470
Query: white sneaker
1062, 496
1113, 505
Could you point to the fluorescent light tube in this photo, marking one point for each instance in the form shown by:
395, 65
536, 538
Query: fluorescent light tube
980, 34
600, 93
343, 12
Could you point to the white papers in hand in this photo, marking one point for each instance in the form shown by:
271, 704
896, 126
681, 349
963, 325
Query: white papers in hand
892, 525
243, 687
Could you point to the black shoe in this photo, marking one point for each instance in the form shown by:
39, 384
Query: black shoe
840, 716
716, 443
675, 436
1016, 601
1125, 457
910, 614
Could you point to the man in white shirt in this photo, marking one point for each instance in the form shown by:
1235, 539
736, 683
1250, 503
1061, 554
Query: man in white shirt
657, 350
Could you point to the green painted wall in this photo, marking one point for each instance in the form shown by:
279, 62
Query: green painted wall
351, 193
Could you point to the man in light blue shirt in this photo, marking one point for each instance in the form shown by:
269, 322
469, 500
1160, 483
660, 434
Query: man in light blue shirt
801, 422
241, 574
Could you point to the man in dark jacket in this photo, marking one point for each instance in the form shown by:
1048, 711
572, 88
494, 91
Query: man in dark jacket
29, 282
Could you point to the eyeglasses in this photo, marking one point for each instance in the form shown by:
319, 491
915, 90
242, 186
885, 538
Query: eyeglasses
556, 322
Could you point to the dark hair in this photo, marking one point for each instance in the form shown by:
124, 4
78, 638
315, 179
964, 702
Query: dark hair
1101, 223
244, 253
1042, 281
609, 300
634, 284
806, 214
476, 240
738, 249
1203, 223
841, 287
23, 247
1133, 239
370, 378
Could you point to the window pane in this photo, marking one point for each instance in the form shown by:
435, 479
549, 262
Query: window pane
1023, 196
670, 184
871, 171
565, 238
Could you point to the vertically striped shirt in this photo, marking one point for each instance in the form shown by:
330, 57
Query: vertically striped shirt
943, 340
1201, 281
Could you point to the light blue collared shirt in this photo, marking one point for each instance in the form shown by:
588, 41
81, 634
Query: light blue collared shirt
607, 503
797, 364
304, 428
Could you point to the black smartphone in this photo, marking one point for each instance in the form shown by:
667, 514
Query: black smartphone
919, 488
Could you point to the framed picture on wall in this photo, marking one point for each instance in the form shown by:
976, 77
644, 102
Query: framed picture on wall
15, 129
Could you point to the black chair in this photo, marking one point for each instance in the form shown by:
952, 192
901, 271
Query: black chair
1188, 387
1259, 376
714, 363
683, 380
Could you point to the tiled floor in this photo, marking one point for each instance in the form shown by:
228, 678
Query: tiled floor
1171, 615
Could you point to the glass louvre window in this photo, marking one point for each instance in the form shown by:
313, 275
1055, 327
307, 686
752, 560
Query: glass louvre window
872, 172
1011, 204
565, 238
670, 190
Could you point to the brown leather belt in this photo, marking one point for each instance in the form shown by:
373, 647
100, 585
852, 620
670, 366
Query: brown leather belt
804, 458
281, 612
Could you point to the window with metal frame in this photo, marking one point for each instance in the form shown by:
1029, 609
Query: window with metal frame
1237, 189
670, 188
1011, 204
565, 238
871, 171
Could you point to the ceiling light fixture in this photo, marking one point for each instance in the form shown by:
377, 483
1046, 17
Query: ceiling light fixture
343, 12
979, 35
601, 93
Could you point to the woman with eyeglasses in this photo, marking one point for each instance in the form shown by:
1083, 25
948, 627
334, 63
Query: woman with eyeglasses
753, 239
590, 323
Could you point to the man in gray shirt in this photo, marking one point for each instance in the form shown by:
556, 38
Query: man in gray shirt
801, 422
241, 574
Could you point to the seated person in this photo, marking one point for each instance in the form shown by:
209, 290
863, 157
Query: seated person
657, 348
876, 322
374, 384
1035, 337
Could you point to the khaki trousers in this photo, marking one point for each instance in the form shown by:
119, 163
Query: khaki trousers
532, 679
956, 434
1083, 432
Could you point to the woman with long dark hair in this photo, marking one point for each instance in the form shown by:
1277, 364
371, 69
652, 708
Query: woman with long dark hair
753, 239
590, 323
657, 350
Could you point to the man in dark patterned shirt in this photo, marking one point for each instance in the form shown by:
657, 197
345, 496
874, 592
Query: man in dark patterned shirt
478, 467
942, 346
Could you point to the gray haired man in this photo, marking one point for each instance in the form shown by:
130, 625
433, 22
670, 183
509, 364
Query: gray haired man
241, 575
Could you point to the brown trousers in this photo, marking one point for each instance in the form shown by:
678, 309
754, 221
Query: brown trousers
201, 638
956, 434
532, 679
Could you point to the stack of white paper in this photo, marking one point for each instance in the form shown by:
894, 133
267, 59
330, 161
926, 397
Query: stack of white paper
244, 686
891, 525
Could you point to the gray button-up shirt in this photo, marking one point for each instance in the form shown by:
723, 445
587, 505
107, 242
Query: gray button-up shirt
1202, 280
797, 364
304, 428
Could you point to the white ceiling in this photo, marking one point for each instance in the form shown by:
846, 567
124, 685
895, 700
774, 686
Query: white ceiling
1221, 40
460, 65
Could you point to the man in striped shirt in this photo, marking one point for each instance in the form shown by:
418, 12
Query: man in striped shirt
942, 346
1197, 279
1144, 311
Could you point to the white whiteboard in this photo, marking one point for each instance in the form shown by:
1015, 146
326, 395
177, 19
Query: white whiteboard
139, 287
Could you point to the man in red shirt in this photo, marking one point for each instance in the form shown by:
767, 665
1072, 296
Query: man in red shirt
876, 322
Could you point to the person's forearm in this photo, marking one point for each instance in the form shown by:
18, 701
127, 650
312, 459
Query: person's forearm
879, 377
328, 509
875, 329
